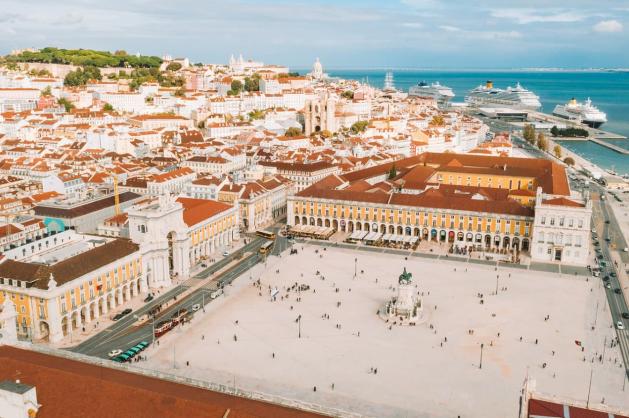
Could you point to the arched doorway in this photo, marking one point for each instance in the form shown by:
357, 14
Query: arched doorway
525, 244
327, 223
505, 242
296, 220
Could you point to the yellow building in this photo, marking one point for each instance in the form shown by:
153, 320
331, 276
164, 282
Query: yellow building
69, 283
458, 198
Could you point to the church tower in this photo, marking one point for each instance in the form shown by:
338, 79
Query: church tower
320, 114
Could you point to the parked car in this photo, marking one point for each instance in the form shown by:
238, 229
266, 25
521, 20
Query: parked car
625, 315
225, 253
149, 298
127, 311
613, 274
114, 353
608, 286
118, 316
617, 291
196, 307
620, 325
203, 265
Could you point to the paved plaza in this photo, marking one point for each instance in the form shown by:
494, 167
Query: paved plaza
362, 364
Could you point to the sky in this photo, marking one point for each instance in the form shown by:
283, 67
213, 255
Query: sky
343, 33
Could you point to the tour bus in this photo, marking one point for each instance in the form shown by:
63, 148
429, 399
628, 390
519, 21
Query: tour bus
266, 247
266, 234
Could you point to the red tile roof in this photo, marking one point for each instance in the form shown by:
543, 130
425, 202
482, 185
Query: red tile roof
198, 210
73, 389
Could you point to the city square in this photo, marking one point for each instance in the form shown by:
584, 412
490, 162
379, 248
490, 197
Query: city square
307, 327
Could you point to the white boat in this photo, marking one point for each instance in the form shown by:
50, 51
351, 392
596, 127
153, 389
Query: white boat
514, 97
581, 112
435, 90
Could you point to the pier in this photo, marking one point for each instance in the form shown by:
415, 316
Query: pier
610, 146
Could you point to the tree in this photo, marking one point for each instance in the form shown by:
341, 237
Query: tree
47, 91
292, 132
66, 104
256, 114
569, 161
108, 108
81, 76
542, 142
392, 172
348, 94
173, 66
236, 88
252, 83
180, 92
529, 133
554, 131
121, 53
359, 126
557, 151
326, 134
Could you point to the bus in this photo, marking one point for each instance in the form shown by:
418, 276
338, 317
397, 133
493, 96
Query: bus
266, 247
266, 234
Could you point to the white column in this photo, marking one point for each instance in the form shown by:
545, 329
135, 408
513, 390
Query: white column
54, 321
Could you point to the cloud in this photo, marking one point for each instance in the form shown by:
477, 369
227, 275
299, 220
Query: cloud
448, 28
608, 26
412, 25
526, 16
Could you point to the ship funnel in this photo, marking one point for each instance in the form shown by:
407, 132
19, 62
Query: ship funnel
489, 84
573, 101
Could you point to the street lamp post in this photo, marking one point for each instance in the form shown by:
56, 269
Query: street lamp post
299, 326
355, 266
497, 276
480, 366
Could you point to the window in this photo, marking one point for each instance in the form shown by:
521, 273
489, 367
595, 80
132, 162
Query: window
552, 221
543, 221
580, 223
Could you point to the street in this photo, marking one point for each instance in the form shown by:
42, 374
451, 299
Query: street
125, 333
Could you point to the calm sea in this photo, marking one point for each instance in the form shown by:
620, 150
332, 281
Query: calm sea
609, 91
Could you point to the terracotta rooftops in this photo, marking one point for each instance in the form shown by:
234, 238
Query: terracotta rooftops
546, 409
37, 275
562, 201
303, 167
198, 210
74, 389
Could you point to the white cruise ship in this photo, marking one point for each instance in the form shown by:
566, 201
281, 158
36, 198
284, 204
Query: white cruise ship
515, 97
435, 90
581, 112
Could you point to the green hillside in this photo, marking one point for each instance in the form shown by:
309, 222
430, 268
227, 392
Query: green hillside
86, 57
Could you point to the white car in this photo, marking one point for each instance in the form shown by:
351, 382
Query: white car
114, 353
196, 307
608, 286
620, 325
225, 254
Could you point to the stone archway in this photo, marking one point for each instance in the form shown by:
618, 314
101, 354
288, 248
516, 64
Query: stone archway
327, 223
335, 225
319, 222
525, 244
297, 220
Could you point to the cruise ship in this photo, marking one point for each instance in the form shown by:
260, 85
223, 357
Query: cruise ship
581, 113
435, 90
515, 97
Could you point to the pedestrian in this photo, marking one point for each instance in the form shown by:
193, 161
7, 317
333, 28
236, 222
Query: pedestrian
314, 389
273, 355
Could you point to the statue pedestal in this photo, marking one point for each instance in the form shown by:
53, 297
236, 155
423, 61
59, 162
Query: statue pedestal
406, 308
